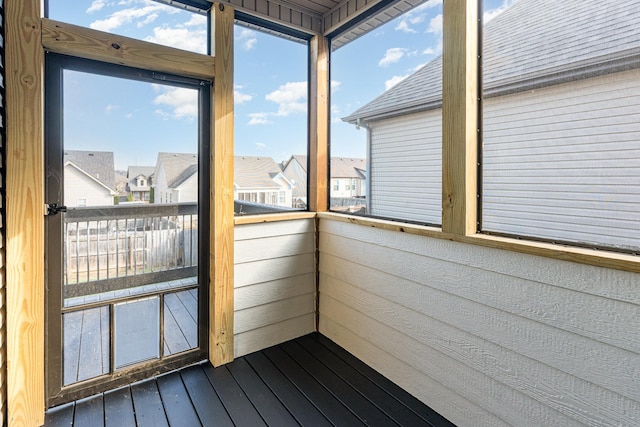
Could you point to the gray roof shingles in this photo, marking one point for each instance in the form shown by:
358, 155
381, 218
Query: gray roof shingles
98, 164
530, 42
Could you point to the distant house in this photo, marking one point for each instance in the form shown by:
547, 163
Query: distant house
261, 180
560, 123
348, 177
89, 178
175, 178
139, 181
295, 169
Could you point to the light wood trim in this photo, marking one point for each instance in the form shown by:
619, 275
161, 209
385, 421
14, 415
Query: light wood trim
613, 260
24, 210
277, 217
86, 43
221, 179
460, 117
318, 124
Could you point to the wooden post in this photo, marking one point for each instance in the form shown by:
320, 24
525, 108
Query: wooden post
25, 210
318, 124
460, 117
221, 179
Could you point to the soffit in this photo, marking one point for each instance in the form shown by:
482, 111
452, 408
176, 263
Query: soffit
341, 20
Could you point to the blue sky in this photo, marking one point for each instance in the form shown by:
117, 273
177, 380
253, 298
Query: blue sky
136, 120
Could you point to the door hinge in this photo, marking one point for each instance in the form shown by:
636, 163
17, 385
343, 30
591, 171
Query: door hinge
54, 209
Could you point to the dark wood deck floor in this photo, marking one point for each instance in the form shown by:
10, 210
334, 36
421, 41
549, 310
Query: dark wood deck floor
309, 381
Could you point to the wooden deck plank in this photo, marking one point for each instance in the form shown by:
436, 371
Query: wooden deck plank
190, 300
60, 416
204, 398
176, 401
270, 408
233, 398
71, 346
367, 412
187, 324
118, 408
309, 381
296, 402
391, 388
330, 407
148, 405
90, 357
363, 384
174, 339
89, 412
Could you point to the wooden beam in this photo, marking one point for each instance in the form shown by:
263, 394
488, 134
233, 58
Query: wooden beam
221, 179
24, 210
460, 117
318, 124
86, 43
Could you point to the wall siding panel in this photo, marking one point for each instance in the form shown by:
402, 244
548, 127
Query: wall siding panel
406, 171
563, 162
275, 287
531, 340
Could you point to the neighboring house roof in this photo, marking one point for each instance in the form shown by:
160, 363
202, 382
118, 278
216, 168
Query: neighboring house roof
341, 167
302, 161
176, 166
347, 167
534, 43
256, 172
99, 165
133, 172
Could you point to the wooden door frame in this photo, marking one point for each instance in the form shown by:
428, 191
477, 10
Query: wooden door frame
24, 49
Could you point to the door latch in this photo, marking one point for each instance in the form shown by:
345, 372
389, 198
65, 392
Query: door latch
54, 209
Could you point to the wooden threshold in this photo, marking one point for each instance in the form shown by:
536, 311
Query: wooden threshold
309, 381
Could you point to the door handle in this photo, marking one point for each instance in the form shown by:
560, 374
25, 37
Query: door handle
54, 209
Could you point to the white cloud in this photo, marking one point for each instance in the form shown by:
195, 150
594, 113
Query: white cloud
291, 98
393, 81
435, 25
182, 101
196, 20
239, 97
335, 85
181, 38
403, 25
246, 38
96, 6
143, 15
391, 56
260, 146
415, 16
259, 119
492, 13
109, 108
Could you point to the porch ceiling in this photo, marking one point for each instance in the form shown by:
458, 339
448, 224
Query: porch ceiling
341, 20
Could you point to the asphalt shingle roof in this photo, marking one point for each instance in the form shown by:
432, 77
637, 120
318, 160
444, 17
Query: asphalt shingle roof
98, 164
175, 165
535, 43
255, 172
134, 171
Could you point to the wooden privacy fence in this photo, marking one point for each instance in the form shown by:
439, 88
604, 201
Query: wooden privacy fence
156, 242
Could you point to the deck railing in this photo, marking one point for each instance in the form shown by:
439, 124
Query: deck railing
112, 248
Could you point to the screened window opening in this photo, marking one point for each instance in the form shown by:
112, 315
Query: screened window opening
561, 152
271, 136
386, 139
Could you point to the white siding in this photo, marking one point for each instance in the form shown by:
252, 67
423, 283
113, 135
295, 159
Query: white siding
486, 337
188, 191
406, 167
274, 283
563, 162
78, 186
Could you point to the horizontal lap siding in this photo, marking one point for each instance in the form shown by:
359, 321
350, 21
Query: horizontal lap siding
406, 171
274, 283
485, 336
563, 162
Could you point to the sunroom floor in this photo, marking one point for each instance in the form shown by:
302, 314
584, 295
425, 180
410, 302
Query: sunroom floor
308, 381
